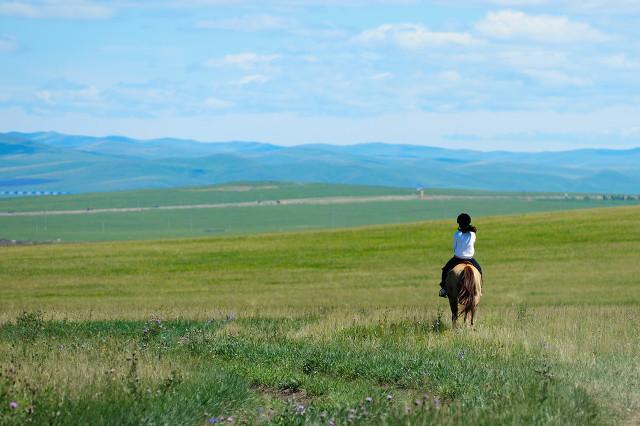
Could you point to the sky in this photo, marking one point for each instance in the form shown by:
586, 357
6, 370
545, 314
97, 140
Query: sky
518, 75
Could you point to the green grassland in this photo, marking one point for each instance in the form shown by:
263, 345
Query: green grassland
195, 222
303, 328
223, 193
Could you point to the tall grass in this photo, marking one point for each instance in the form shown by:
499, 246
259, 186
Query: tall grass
315, 328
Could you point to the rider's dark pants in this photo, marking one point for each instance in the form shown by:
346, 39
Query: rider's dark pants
456, 261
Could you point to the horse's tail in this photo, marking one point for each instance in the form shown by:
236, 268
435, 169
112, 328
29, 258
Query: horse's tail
467, 294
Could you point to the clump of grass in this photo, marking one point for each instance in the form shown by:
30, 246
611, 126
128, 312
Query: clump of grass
29, 325
521, 312
438, 325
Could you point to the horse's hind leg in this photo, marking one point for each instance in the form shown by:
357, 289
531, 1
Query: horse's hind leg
453, 303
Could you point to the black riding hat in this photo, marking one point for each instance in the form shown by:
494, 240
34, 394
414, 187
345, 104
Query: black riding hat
464, 220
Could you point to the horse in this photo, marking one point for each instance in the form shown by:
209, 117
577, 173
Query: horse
464, 287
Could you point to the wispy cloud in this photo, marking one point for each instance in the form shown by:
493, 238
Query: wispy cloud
411, 36
216, 103
250, 23
621, 61
8, 44
600, 7
556, 78
251, 79
510, 24
69, 95
519, 2
56, 9
525, 57
450, 76
241, 60
381, 76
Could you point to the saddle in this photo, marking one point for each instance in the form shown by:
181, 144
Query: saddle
463, 262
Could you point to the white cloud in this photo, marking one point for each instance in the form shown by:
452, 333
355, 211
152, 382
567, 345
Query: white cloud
45, 96
381, 76
450, 76
510, 24
606, 6
411, 36
76, 96
528, 58
621, 61
55, 9
144, 94
216, 103
251, 79
519, 2
249, 23
600, 7
8, 44
241, 60
556, 78
633, 131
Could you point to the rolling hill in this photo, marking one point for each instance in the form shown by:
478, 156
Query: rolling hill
53, 161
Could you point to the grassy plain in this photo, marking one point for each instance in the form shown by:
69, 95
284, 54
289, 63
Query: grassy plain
297, 328
222, 193
195, 222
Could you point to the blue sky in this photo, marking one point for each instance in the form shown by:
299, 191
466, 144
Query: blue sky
521, 75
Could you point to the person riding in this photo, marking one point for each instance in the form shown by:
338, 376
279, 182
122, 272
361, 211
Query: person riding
463, 248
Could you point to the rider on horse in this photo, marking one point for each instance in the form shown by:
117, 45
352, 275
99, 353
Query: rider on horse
463, 248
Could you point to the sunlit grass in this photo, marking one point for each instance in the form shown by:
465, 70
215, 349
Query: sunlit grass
255, 328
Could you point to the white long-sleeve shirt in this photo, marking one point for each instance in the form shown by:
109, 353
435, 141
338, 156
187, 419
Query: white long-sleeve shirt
463, 244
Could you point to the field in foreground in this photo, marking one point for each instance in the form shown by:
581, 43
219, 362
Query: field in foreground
305, 328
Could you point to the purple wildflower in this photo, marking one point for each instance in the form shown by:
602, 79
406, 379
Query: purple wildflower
300, 409
13, 405
331, 423
368, 399
214, 420
389, 397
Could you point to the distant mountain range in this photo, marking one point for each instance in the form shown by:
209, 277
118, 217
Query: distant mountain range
51, 161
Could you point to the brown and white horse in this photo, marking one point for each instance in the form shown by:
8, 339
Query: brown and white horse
464, 287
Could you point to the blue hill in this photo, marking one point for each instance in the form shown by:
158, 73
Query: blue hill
76, 163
